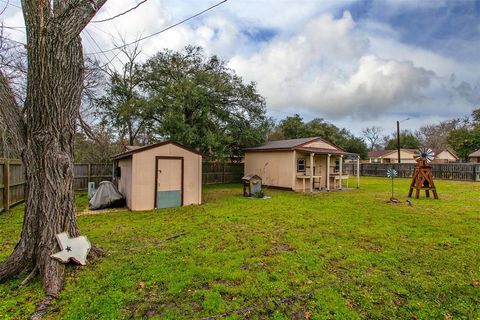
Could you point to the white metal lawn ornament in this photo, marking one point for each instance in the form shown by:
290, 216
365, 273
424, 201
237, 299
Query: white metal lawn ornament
425, 154
75, 249
392, 174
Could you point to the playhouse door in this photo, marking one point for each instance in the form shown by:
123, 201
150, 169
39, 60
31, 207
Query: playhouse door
169, 182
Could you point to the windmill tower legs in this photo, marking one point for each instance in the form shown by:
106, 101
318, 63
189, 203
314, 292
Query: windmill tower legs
422, 180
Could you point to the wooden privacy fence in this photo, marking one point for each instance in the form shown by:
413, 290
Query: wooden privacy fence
12, 180
213, 172
446, 171
87, 172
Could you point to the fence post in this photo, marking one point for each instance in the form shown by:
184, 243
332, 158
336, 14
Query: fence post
223, 175
6, 185
89, 172
476, 172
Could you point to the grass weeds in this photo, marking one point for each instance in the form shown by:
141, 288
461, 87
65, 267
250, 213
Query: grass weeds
338, 255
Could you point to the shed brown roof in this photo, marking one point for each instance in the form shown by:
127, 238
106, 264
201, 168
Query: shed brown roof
150, 146
129, 148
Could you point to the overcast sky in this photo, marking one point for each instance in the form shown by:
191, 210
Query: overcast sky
354, 63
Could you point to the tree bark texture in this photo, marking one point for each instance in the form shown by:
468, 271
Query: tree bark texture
44, 131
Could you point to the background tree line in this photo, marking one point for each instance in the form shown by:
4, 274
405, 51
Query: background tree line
198, 101
190, 98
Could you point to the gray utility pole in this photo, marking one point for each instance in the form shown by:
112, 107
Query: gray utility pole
398, 140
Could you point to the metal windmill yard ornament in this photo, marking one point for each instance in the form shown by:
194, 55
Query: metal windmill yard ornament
392, 174
422, 177
424, 154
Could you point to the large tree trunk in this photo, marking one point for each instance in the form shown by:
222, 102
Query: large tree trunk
45, 133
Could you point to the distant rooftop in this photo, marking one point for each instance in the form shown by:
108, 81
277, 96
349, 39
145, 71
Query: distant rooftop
475, 154
381, 153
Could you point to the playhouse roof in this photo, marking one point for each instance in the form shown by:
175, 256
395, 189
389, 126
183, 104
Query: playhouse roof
299, 144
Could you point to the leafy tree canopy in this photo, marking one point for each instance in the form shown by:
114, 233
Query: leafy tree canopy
466, 139
294, 127
408, 140
187, 97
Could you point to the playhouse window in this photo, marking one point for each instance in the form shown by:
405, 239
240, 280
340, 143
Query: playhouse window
301, 165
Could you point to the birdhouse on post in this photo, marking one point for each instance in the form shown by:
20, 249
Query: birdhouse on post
252, 185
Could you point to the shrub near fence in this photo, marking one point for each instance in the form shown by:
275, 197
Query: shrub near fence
446, 171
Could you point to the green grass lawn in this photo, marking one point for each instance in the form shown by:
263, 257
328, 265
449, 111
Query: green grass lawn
338, 255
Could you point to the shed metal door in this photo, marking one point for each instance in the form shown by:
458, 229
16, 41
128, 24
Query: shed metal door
169, 182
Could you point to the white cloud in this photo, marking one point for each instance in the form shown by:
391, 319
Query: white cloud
328, 69
376, 87
312, 62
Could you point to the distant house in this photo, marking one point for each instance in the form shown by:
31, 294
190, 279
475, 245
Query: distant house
299, 164
445, 156
391, 156
475, 156
408, 156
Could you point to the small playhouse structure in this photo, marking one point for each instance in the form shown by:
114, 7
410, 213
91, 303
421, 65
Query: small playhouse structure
305, 164
161, 175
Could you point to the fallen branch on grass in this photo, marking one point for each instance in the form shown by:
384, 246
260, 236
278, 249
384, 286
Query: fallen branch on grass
172, 237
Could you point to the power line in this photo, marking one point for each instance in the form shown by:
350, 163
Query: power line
15, 41
18, 29
11, 4
93, 44
2, 26
165, 29
122, 13
98, 46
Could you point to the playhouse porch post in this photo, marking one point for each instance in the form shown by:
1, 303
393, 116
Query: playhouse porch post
358, 172
328, 172
341, 170
311, 171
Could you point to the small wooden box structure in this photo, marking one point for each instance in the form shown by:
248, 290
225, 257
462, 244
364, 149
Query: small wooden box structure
252, 184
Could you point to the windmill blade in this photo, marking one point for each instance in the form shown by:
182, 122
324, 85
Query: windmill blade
391, 173
425, 154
